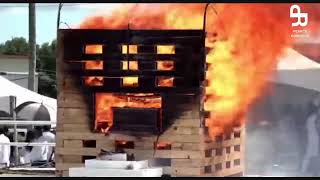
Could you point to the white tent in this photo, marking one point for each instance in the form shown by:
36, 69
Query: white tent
8, 88
297, 70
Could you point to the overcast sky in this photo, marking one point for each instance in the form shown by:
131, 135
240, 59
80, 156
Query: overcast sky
14, 18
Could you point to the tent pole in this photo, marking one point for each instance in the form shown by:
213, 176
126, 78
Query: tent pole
15, 135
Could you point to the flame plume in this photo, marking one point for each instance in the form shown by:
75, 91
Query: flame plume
250, 38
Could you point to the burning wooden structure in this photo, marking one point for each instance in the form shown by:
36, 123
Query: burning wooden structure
142, 92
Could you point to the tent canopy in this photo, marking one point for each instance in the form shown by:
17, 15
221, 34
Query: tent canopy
23, 95
297, 70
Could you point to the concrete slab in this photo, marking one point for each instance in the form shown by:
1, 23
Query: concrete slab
90, 172
104, 164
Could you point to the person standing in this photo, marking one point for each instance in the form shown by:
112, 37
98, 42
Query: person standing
311, 159
38, 153
50, 138
4, 149
25, 152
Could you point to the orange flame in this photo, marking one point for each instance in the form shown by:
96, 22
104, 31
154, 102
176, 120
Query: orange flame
133, 49
166, 49
93, 49
93, 81
165, 65
130, 81
165, 81
93, 65
130, 65
106, 101
250, 38
163, 145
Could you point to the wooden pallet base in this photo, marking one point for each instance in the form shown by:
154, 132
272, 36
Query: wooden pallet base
188, 156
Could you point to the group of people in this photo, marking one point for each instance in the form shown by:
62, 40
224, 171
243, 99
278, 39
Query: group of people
33, 155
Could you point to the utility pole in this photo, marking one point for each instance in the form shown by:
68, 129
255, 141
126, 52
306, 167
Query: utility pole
32, 46
58, 18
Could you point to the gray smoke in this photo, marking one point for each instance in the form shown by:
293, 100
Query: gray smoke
277, 137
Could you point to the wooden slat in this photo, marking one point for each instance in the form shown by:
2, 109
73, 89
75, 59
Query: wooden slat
59, 127
65, 173
143, 145
152, 138
105, 144
226, 143
72, 143
78, 151
126, 137
66, 166
242, 142
71, 159
182, 130
187, 122
81, 136
59, 173
59, 141
187, 163
77, 128
175, 171
228, 172
140, 155
59, 63
58, 158
168, 153
73, 115
180, 138
185, 146
68, 84
189, 114
72, 100
221, 159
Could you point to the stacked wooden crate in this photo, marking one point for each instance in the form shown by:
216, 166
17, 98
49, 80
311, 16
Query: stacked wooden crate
190, 150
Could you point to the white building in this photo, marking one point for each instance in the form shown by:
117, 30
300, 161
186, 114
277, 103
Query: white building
16, 68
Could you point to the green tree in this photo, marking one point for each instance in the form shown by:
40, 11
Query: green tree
15, 46
46, 66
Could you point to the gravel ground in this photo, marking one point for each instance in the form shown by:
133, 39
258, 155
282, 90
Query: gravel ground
27, 175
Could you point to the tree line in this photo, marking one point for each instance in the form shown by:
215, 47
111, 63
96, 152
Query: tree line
46, 62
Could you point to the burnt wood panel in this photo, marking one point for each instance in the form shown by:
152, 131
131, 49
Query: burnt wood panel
136, 119
188, 57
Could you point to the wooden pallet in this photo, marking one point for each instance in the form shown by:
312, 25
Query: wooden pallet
191, 153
